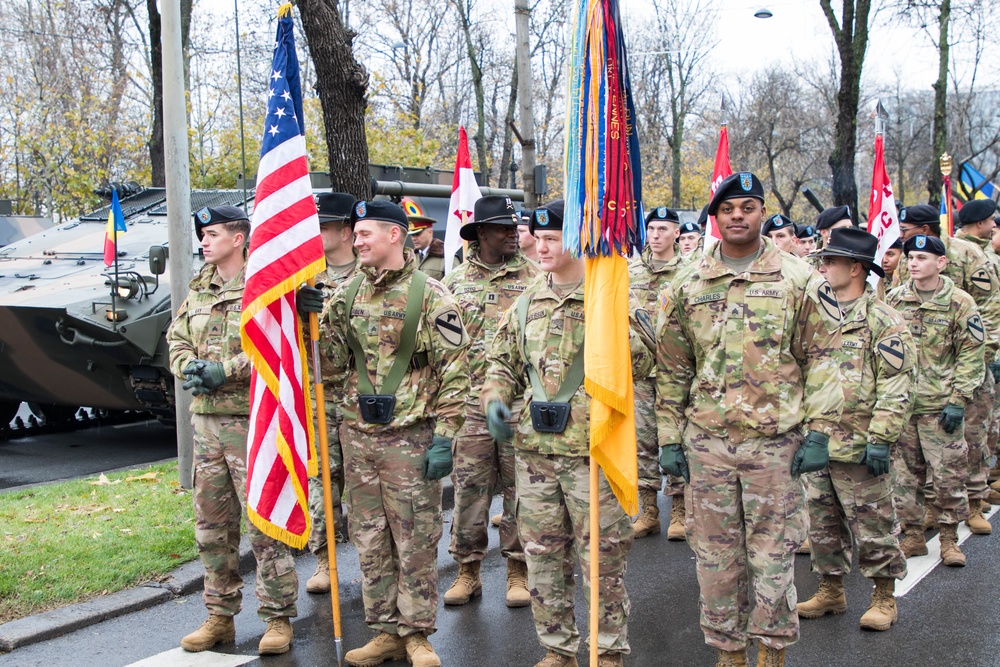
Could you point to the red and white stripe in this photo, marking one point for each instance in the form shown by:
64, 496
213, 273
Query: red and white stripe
285, 251
464, 195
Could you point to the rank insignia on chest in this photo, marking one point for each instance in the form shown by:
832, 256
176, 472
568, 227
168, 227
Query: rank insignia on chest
491, 297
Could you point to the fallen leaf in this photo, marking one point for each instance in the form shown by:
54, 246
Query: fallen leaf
117, 509
148, 477
102, 481
35, 520
175, 555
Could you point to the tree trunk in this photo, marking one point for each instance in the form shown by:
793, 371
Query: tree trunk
940, 132
506, 176
477, 85
342, 85
675, 159
852, 41
157, 156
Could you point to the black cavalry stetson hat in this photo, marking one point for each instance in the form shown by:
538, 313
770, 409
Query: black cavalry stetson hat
334, 206
490, 210
853, 243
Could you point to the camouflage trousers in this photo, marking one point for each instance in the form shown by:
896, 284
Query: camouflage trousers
993, 435
480, 461
220, 491
744, 522
553, 516
978, 420
847, 504
394, 521
925, 452
317, 508
647, 446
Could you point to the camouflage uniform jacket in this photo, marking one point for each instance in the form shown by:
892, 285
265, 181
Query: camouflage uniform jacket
972, 272
330, 280
484, 295
207, 327
876, 369
749, 355
554, 332
948, 333
435, 390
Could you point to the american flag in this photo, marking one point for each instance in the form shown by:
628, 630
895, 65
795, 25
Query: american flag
285, 250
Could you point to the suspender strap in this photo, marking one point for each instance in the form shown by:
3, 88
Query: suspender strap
407, 338
574, 377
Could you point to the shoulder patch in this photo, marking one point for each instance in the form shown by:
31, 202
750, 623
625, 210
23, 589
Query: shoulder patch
893, 352
645, 322
449, 325
981, 280
975, 326
828, 301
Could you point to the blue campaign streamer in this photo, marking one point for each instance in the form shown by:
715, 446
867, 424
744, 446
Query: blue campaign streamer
574, 130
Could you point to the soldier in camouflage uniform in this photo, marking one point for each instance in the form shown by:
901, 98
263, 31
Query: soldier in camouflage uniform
206, 351
524, 238
977, 228
780, 229
971, 271
396, 440
553, 496
334, 210
648, 274
805, 240
485, 286
745, 358
691, 238
949, 335
851, 501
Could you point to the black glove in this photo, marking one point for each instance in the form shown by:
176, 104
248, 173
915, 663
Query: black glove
952, 417
876, 456
213, 375
497, 414
192, 375
673, 462
813, 455
308, 300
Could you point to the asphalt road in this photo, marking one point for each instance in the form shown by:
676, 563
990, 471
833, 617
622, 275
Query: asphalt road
948, 618
55, 456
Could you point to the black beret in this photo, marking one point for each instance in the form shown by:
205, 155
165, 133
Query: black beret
334, 206
215, 215
896, 245
662, 213
931, 244
804, 231
831, 216
739, 185
547, 218
920, 214
703, 216
777, 221
493, 210
383, 211
690, 228
524, 216
976, 211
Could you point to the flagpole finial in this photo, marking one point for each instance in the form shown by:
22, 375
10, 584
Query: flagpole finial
945, 164
285, 10
881, 116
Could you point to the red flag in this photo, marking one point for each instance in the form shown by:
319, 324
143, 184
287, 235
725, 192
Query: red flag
285, 251
464, 194
883, 219
720, 172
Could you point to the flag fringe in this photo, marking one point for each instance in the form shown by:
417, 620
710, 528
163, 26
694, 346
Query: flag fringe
626, 493
280, 534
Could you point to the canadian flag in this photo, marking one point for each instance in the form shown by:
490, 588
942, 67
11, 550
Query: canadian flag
883, 220
720, 172
464, 195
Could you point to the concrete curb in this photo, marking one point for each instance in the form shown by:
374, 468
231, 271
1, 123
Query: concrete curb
184, 580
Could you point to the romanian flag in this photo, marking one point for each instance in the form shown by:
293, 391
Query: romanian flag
285, 251
604, 222
116, 226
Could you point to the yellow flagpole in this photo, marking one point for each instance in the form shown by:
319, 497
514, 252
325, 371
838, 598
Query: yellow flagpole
324, 455
595, 558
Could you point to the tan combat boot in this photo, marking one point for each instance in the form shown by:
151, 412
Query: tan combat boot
995, 472
929, 520
466, 586
770, 657
993, 498
648, 522
732, 658
320, 581
882, 611
676, 531
976, 522
378, 650
278, 638
517, 583
553, 659
419, 651
216, 630
805, 547
995, 485
829, 599
609, 660
951, 555
913, 543
495, 520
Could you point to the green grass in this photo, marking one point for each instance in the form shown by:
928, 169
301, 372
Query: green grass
67, 542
